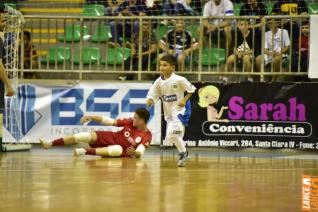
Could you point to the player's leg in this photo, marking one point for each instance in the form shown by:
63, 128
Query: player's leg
175, 132
109, 151
83, 137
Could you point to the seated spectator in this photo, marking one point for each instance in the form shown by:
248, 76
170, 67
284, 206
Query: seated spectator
154, 7
304, 49
182, 7
120, 28
168, 7
277, 45
30, 58
291, 7
149, 49
244, 50
180, 43
111, 5
253, 8
219, 8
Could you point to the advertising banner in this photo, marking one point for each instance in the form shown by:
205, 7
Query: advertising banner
264, 115
50, 112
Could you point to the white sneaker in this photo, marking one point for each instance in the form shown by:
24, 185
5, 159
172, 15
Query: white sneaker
79, 152
45, 144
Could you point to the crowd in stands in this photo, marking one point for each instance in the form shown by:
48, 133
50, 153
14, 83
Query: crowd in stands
240, 38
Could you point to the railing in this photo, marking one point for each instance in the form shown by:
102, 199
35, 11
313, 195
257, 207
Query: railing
90, 46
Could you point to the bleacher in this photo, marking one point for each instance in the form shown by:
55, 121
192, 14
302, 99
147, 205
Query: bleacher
69, 35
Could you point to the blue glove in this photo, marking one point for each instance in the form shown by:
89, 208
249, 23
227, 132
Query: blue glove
186, 116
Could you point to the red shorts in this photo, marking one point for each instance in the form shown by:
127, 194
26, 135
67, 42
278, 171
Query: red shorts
104, 139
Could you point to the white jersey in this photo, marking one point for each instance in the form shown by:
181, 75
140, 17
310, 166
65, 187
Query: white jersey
171, 92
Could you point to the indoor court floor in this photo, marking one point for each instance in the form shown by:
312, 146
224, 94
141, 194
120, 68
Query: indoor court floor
215, 180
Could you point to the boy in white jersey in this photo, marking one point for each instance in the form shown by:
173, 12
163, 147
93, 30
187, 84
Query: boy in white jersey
171, 88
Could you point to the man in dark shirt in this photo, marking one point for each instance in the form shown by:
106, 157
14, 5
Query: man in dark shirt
179, 42
127, 27
253, 8
149, 49
4, 81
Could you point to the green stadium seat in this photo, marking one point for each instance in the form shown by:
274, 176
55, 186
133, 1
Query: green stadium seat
313, 8
101, 34
213, 56
194, 30
57, 55
14, 6
161, 30
269, 7
116, 55
237, 9
93, 10
72, 33
90, 55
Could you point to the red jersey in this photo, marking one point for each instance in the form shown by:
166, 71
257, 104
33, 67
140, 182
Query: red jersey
128, 137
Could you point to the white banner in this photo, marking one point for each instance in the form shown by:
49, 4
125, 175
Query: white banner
51, 112
313, 60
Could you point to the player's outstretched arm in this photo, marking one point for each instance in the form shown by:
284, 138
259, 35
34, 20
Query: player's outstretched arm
100, 119
137, 153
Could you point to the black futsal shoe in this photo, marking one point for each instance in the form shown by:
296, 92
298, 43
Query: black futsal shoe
183, 157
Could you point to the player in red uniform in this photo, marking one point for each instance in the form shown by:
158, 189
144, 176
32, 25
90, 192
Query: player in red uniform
131, 141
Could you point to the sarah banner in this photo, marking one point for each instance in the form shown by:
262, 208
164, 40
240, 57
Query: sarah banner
260, 115
49, 112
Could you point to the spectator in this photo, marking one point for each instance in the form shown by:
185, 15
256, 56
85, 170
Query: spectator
244, 50
219, 8
291, 7
182, 7
276, 47
111, 5
168, 7
253, 8
153, 6
179, 42
149, 49
125, 27
304, 49
30, 54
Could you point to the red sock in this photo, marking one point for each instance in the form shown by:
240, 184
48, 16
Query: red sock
58, 142
90, 151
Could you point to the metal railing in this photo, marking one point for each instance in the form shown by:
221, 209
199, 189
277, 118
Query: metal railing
116, 46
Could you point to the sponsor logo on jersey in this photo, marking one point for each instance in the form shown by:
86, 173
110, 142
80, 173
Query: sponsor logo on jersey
170, 98
138, 139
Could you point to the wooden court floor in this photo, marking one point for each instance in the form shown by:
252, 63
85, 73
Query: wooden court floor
53, 180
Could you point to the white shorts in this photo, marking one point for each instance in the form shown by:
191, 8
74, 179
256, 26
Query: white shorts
269, 59
174, 128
